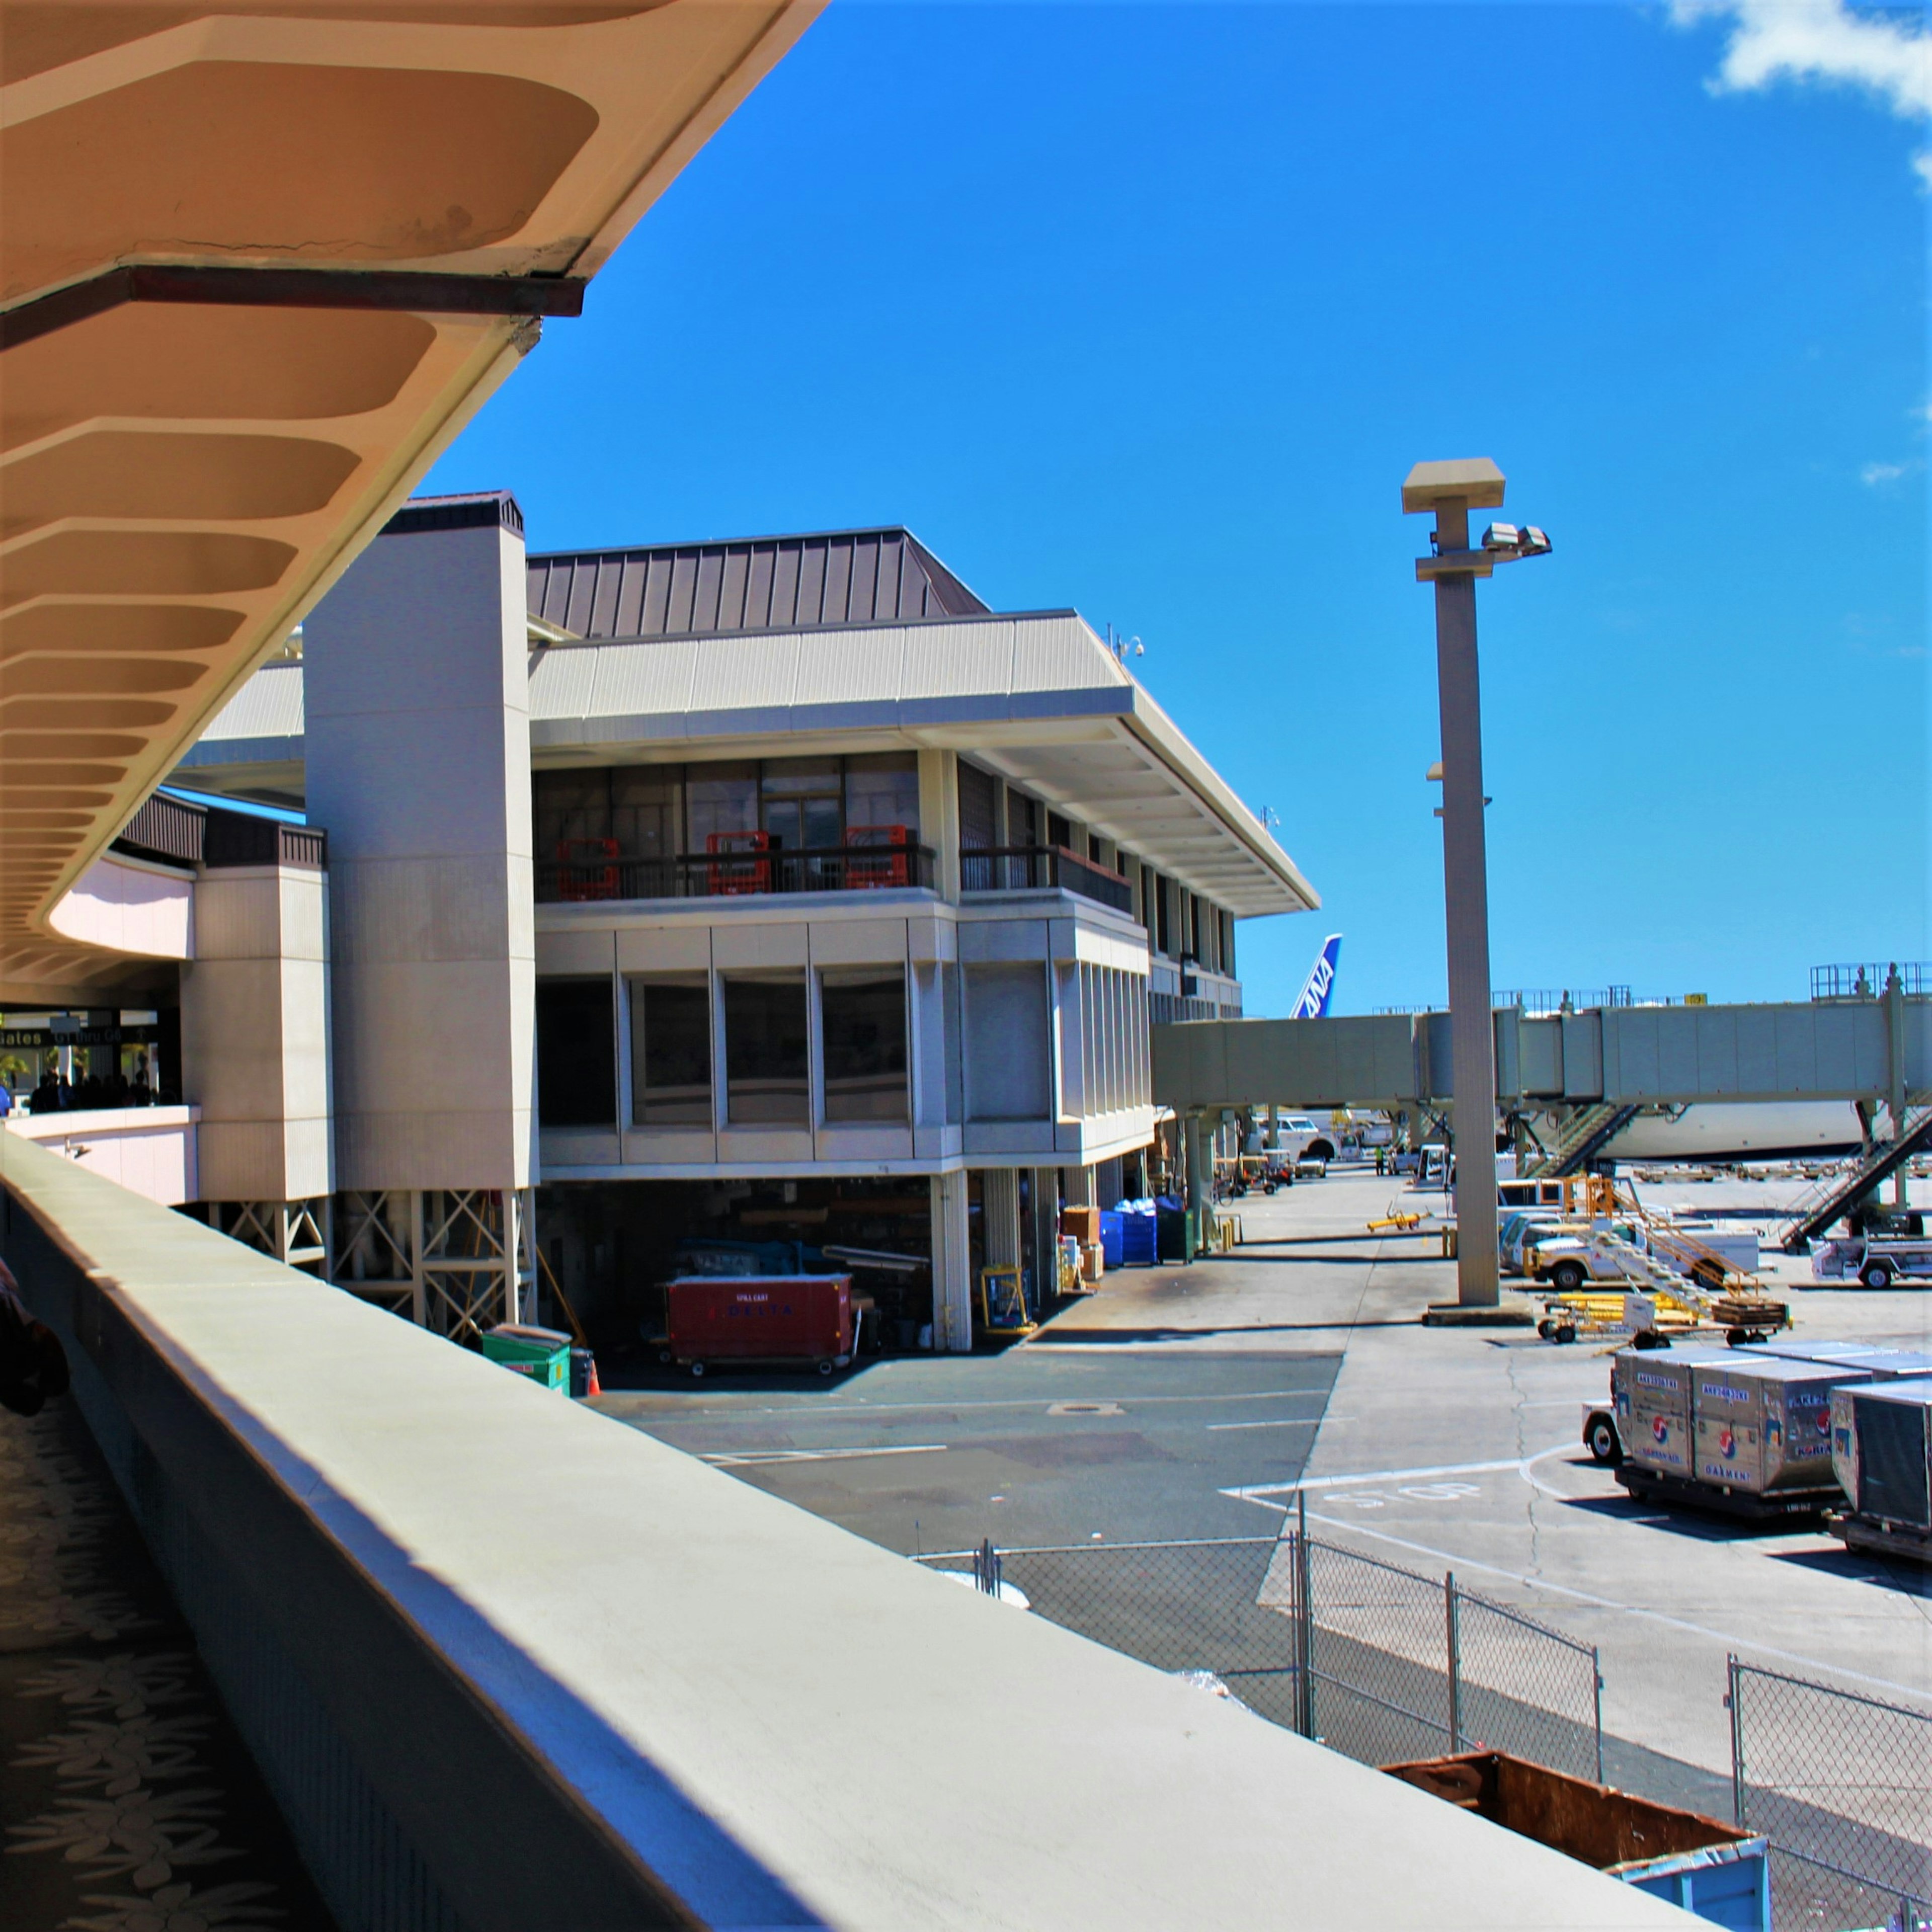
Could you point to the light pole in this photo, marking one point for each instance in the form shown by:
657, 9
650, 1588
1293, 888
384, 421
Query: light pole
1452, 490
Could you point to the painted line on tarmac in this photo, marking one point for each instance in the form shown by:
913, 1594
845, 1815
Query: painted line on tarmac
1259, 1492
1288, 1422
1728, 1639
735, 1458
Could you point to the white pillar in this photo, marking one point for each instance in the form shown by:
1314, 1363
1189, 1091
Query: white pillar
952, 1266
939, 818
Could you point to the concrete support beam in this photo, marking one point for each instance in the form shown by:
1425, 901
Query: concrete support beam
952, 1265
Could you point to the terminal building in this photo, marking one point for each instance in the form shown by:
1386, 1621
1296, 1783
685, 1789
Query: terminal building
748, 904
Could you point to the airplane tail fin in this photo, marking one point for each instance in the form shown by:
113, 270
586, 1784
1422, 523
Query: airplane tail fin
1320, 989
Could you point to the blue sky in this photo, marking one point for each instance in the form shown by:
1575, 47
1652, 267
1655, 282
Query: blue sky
1147, 310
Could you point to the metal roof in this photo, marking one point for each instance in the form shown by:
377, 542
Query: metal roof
754, 583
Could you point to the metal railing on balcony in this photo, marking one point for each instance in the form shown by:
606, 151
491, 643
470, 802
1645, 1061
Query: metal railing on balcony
1020, 868
1867, 980
732, 872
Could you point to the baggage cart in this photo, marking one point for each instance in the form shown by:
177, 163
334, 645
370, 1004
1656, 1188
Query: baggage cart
786, 1320
1882, 1450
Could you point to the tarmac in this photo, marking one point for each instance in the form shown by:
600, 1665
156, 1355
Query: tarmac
1217, 1398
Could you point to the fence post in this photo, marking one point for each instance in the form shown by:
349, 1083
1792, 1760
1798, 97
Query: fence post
1597, 1684
1454, 1622
986, 1567
1734, 1704
1304, 1620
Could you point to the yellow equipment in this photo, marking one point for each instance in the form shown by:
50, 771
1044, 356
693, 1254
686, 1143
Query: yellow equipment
1003, 1308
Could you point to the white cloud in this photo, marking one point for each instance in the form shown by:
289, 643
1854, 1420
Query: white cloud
1875, 473
1772, 41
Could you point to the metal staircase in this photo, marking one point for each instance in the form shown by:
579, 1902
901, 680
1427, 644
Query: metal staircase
1838, 1194
1585, 1135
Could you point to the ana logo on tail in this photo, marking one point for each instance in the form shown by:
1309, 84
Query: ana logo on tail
1313, 1004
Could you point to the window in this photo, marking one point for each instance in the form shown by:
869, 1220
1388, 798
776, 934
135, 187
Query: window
1009, 1076
670, 1051
766, 1050
1058, 832
1163, 942
882, 789
576, 1056
1227, 944
801, 804
863, 1012
979, 809
720, 798
647, 810
568, 805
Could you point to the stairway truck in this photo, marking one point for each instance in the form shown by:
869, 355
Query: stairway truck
1762, 1426
1877, 1260
1881, 1452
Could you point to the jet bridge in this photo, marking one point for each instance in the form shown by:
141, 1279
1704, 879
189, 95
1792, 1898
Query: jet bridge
1871, 1050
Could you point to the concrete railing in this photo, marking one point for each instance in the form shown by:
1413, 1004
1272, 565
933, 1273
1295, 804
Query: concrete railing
506, 1663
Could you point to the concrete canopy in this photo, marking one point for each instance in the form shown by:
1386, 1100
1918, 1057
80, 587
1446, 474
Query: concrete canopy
258, 266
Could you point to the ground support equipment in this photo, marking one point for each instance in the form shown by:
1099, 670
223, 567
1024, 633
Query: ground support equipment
1874, 1539
1780, 1506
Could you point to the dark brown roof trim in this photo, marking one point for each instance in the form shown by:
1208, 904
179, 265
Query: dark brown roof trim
294, 288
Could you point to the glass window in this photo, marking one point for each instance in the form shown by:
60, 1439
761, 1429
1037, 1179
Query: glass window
647, 810
670, 1051
863, 1012
978, 809
801, 804
577, 1055
567, 806
765, 1050
720, 798
882, 789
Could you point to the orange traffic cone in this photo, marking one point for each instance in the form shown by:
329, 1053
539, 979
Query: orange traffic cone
594, 1387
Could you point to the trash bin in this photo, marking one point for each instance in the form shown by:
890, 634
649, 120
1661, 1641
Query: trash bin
1113, 1238
542, 1353
1174, 1233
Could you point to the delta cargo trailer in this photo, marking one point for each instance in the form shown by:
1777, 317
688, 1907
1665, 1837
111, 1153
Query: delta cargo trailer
1882, 1447
788, 1321
1746, 1435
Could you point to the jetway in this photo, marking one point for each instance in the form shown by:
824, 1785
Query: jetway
1872, 1050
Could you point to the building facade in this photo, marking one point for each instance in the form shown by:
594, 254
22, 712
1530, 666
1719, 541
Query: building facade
744, 900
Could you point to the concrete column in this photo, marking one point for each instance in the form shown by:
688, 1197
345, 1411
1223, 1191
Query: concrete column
1000, 1216
1199, 1167
939, 818
1466, 894
1076, 1183
1271, 1140
418, 751
255, 1030
952, 1266
1044, 1204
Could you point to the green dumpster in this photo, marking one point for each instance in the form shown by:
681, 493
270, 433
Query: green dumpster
542, 1353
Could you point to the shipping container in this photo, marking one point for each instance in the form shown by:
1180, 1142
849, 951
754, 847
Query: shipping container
1650, 1391
1763, 1424
791, 1318
1882, 1447
1874, 1362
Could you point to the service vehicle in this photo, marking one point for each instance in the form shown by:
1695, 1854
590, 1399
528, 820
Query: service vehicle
1876, 1260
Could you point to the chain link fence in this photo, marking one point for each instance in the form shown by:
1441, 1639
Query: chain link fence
1841, 1785
1378, 1661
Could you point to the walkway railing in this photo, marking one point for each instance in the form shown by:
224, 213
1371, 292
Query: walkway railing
735, 871
1021, 868
505, 1663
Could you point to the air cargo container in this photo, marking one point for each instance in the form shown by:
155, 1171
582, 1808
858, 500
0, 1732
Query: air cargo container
1650, 1392
1873, 1362
1882, 1447
787, 1319
1763, 1425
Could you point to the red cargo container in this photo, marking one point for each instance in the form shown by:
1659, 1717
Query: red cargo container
795, 1318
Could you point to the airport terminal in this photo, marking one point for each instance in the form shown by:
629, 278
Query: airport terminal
655, 1269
